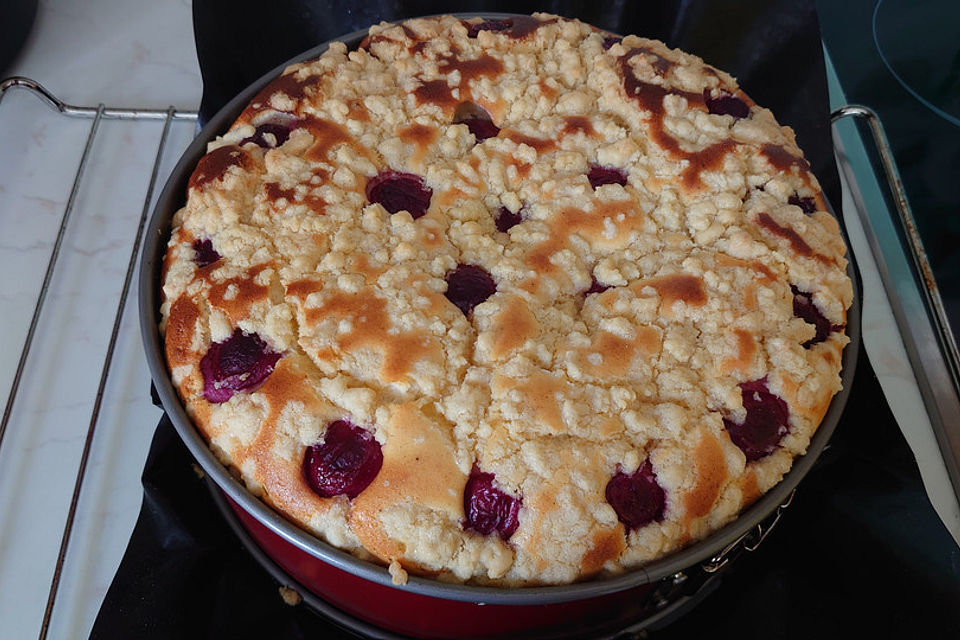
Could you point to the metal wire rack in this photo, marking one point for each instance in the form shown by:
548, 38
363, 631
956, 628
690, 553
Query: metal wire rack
96, 115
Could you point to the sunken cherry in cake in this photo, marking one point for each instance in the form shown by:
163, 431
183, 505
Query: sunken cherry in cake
506, 301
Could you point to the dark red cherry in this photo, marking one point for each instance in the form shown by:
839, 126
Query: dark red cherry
468, 285
477, 119
596, 286
488, 25
487, 508
480, 128
807, 204
606, 175
506, 219
203, 253
765, 425
345, 463
805, 309
609, 41
637, 498
281, 132
398, 191
726, 104
240, 363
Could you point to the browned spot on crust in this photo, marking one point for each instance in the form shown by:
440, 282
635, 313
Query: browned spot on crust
275, 192
288, 85
430, 236
591, 225
708, 159
618, 353
607, 546
215, 165
750, 302
303, 288
749, 488
766, 276
782, 159
485, 65
539, 144
650, 97
746, 349
357, 110
360, 263
711, 469
512, 327
540, 392
282, 479
421, 137
315, 203
419, 462
417, 47
326, 136
549, 92
677, 287
181, 324
243, 293
577, 124
435, 92
371, 330
523, 169
798, 244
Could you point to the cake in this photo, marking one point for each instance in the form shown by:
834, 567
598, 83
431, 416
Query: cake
505, 302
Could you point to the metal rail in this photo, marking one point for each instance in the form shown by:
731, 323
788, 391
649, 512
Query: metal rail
97, 114
929, 340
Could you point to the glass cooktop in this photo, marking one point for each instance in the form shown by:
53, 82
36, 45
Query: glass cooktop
901, 58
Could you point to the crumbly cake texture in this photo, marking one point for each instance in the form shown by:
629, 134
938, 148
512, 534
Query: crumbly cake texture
669, 295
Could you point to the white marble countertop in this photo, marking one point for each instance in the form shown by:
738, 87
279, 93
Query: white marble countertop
122, 53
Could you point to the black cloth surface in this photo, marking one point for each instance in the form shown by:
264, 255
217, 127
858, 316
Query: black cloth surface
860, 551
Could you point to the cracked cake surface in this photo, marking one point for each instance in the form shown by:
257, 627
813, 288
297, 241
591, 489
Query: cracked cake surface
505, 301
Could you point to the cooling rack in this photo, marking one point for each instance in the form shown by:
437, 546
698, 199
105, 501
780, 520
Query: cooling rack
88, 156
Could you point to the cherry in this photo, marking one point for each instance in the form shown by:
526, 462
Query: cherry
807, 204
398, 191
203, 252
487, 508
726, 104
606, 175
480, 128
477, 119
345, 463
468, 285
506, 219
765, 425
280, 131
596, 286
805, 309
240, 363
488, 25
609, 41
637, 498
